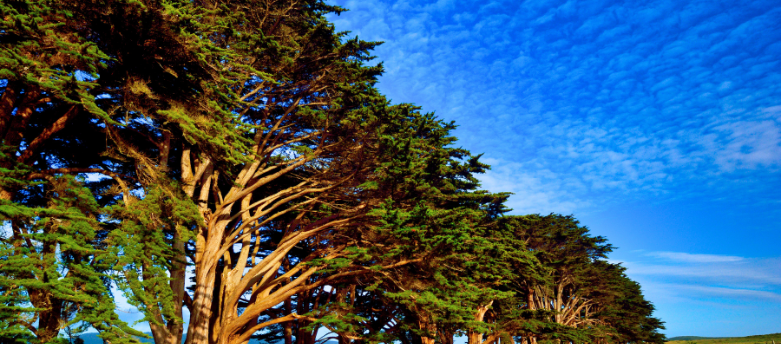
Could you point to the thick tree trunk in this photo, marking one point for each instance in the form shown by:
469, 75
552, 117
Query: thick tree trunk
507, 339
288, 326
171, 331
178, 280
12, 127
531, 307
445, 336
475, 337
425, 324
49, 316
206, 260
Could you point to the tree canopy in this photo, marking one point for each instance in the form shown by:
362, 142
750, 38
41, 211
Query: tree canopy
231, 168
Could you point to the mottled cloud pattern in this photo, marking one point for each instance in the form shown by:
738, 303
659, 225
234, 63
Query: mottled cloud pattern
594, 107
582, 103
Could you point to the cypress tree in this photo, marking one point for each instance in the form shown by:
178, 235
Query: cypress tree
246, 141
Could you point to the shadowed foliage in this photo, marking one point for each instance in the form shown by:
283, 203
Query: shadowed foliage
234, 159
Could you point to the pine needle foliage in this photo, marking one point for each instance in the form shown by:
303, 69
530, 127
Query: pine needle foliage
234, 159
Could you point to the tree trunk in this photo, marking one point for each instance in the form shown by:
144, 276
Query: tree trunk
475, 337
445, 336
7, 105
507, 339
429, 327
288, 326
49, 317
11, 127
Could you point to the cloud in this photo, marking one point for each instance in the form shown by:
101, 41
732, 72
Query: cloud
586, 106
749, 144
612, 101
712, 297
711, 274
733, 293
695, 258
677, 274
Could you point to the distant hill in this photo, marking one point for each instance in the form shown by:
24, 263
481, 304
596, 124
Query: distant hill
756, 339
772, 336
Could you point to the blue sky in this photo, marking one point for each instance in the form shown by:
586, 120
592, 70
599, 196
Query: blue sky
656, 123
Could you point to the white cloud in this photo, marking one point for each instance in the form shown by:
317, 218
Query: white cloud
749, 144
668, 275
695, 258
582, 106
663, 106
715, 297
734, 293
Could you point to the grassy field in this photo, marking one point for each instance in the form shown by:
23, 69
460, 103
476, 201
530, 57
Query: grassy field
760, 339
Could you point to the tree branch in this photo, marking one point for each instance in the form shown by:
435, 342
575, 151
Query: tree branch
58, 125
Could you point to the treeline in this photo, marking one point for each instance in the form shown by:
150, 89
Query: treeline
234, 159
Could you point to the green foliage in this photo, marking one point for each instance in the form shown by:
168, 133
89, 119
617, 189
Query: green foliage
52, 272
143, 137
